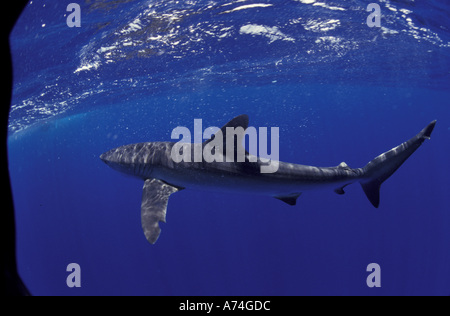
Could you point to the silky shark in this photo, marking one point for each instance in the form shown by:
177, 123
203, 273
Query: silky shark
153, 163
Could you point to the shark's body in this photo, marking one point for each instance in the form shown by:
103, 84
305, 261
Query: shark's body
153, 163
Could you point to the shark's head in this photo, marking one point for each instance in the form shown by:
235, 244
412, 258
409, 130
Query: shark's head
118, 159
110, 158
133, 160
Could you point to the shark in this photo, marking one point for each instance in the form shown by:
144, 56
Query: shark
152, 162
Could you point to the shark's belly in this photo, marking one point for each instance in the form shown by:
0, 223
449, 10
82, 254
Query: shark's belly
265, 184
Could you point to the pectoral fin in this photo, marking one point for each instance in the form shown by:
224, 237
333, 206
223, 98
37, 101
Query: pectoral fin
155, 197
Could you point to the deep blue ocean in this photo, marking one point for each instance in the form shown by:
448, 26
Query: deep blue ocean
338, 90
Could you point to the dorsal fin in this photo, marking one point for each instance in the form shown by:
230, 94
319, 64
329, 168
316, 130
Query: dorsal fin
240, 121
343, 165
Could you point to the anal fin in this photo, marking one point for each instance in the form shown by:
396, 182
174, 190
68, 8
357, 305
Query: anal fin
340, 190
155, 197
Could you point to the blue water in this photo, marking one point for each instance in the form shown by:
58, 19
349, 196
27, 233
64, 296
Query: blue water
337, 89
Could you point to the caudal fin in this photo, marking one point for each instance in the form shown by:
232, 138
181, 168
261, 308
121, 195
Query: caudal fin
383, 166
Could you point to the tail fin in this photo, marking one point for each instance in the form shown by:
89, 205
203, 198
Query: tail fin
383, 166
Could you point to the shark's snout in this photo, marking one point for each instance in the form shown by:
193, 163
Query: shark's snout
104, 157
108, 157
